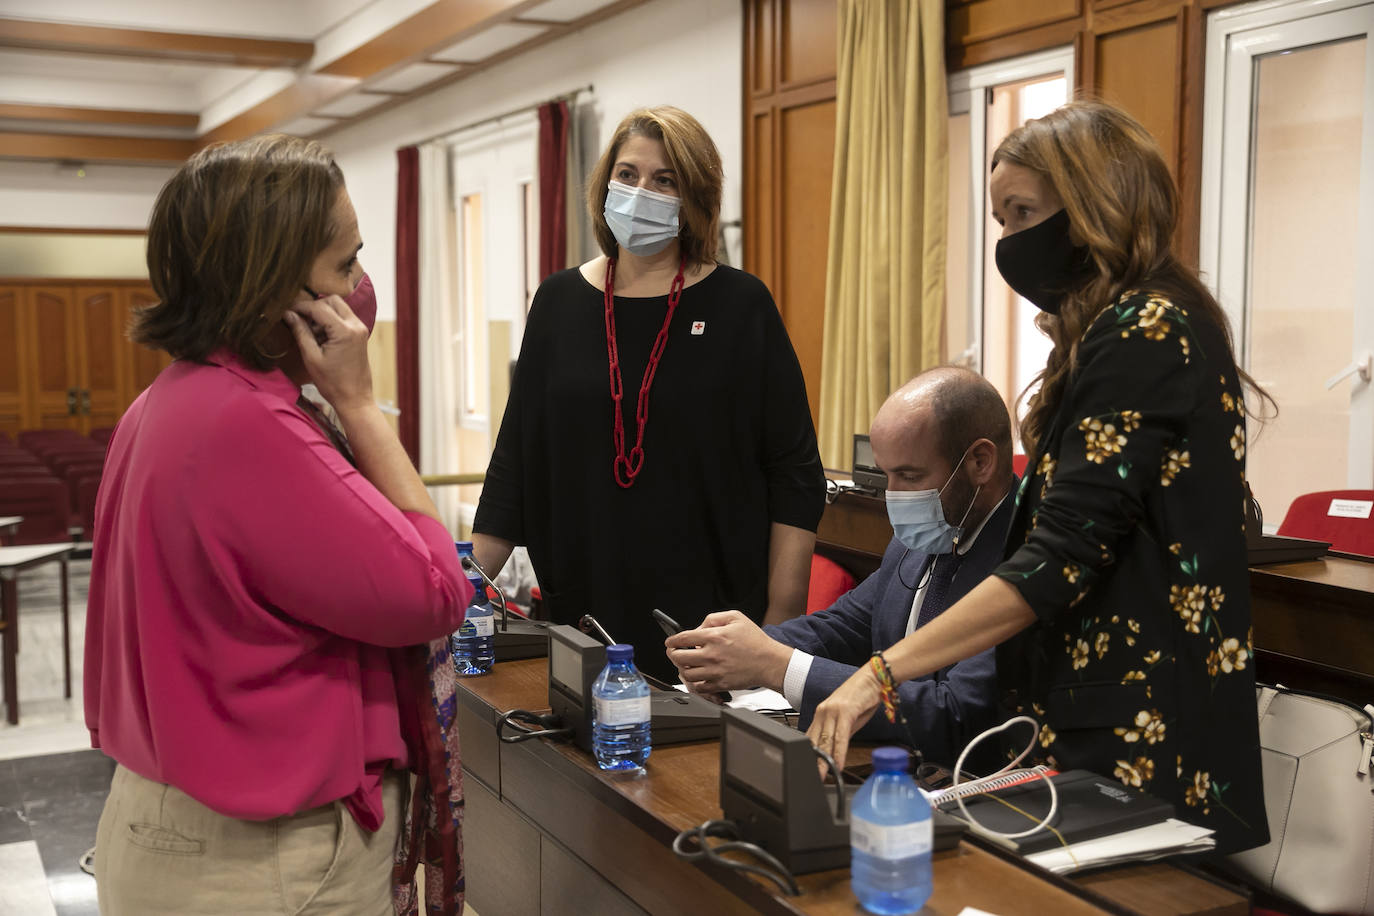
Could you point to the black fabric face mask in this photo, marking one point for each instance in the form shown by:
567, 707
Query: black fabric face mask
1041, 263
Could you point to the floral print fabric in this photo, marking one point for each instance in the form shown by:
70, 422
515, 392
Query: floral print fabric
1129, 544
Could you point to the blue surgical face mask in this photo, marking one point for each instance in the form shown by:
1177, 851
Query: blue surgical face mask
644, 222
918, 517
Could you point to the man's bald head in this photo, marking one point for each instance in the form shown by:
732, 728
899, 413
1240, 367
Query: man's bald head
962, 407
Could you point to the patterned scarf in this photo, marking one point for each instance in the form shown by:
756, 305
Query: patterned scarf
433, 831
425, 689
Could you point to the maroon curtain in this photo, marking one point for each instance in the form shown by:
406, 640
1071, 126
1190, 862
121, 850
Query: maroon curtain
553, 187
408, 299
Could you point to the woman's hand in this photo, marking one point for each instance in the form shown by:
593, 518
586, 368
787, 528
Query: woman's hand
333, 345
843, 713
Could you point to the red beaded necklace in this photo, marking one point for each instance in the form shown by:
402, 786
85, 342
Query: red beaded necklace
626, 469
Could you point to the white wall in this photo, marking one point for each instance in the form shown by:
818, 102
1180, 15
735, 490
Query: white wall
51, 195
686, 53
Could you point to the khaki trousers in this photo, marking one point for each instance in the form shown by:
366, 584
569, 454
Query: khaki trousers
159, 851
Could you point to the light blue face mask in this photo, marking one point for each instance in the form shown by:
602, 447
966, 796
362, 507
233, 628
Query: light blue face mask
918, 517
644, 222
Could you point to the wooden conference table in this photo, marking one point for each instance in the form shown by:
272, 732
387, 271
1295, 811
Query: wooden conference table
546, 832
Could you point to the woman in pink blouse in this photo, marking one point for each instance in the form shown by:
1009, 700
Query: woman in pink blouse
260, 590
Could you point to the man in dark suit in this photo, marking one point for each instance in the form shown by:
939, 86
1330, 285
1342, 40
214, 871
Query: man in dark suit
944, 442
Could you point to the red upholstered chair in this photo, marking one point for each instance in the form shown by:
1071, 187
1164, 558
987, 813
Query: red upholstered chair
1018, 464
1310, 517
829, 580
86, 488
45, 506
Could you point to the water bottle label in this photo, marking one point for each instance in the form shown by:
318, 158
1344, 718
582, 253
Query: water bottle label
890, 841
478, 626
631, 711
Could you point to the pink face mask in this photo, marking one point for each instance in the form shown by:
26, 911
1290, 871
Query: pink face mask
363, 302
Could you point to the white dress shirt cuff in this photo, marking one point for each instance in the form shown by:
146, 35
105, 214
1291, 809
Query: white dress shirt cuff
794, 681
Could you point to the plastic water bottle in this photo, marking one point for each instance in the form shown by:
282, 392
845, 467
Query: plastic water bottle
890, 838
472, 644
620, 712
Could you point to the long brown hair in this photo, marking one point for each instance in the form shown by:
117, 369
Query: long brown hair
692, 154
1122, 205
231, 240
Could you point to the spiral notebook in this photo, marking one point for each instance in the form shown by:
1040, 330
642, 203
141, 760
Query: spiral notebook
1089, 806
944, 798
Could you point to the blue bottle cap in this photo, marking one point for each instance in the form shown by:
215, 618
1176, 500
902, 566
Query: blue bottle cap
890, 760
463, 546
620, 652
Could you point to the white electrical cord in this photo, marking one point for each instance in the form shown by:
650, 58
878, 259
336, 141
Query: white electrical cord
959, 768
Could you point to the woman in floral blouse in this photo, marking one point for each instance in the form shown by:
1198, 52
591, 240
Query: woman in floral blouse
1121, 612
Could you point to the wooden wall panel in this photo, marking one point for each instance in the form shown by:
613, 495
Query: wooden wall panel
807, 155
1123, 76
789, 147
52, 325
760, 25
760, 229
13, 374
101, 360
981, 20
144, 363
806, 42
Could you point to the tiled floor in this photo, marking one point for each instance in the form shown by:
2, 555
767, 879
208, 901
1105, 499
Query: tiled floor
52, 787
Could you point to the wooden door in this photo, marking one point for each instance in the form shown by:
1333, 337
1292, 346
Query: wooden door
144, 363
13, 370
54, 402
101, 355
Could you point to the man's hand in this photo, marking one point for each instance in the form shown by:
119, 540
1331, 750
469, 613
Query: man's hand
728, 652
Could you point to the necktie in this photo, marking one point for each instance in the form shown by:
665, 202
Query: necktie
937, 589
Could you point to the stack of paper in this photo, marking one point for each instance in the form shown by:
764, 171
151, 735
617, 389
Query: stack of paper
1167, 838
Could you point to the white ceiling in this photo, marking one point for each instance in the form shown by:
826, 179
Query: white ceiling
215, 94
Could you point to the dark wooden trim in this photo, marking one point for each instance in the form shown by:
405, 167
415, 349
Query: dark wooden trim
93, 147
70, 230
139, 117
1188, 240
1013, 45
810, 94
154, 45
440, 24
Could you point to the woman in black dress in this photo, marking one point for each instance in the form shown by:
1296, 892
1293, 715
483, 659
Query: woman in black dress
1122, 607
657, 449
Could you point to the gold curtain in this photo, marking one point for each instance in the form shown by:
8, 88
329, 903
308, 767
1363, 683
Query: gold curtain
885, 286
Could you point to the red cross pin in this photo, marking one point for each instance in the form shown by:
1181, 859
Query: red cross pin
698, 328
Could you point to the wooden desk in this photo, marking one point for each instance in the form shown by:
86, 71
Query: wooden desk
14, 560
1313, 624
549, 833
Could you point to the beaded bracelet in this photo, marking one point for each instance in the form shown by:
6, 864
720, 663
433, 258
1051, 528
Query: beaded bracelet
891, 707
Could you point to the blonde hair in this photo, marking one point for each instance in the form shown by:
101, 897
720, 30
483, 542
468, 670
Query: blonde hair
1122, 206
691, 154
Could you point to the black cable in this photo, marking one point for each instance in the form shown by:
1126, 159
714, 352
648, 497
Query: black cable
771, 869
839, 782
517, 719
